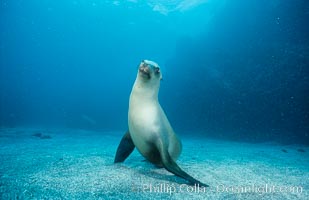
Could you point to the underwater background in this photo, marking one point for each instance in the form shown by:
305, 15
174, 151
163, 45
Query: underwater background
235, 89
235, 70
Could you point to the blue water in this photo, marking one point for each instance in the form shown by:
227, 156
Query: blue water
235, 70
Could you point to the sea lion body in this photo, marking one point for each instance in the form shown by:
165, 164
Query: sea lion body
149, 129
149, 126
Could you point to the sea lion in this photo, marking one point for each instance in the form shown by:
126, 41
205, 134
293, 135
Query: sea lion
149, 129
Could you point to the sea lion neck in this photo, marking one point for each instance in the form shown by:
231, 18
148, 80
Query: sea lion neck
146, 90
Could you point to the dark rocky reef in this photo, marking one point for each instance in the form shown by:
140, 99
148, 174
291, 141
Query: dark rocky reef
41, 136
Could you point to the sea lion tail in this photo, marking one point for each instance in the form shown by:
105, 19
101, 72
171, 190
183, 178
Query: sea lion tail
171, 166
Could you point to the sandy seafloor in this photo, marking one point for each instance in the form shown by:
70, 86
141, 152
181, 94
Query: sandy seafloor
78, 164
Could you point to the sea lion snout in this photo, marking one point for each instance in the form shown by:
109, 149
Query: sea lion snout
144, 70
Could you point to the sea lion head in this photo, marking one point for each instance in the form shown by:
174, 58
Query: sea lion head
149, 71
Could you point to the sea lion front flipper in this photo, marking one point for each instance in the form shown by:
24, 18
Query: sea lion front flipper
125, 148
171, 166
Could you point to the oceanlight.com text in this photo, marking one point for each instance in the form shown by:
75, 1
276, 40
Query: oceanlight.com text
259, 189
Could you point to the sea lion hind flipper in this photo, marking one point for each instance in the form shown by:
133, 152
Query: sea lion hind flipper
125, 148
171, 166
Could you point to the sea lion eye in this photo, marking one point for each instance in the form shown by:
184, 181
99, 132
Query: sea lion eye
157, 70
